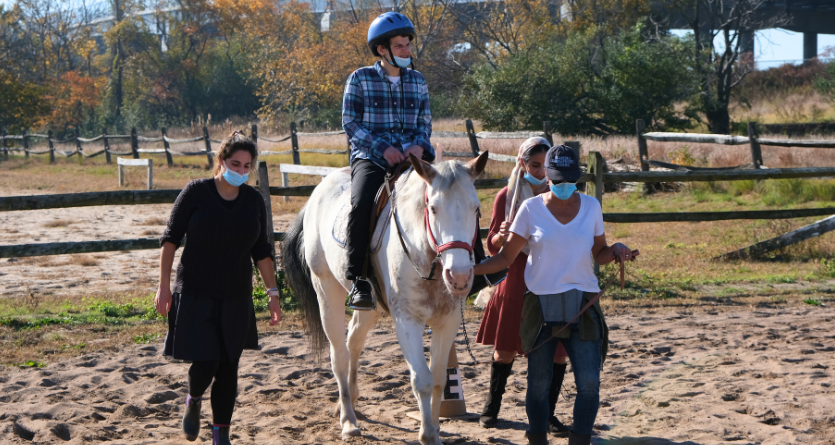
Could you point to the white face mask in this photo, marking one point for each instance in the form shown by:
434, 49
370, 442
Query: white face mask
401, 62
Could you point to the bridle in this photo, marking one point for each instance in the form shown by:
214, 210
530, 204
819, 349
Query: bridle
439, 249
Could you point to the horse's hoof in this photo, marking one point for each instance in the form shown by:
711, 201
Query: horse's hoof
349, 433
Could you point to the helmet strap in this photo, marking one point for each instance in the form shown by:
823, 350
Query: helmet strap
391, 60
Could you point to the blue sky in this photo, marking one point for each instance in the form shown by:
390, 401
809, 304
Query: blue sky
774, 47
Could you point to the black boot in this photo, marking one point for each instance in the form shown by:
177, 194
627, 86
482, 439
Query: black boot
220, 435
361, 299
537, 439
191, 418
555, 427
576, 439
499, 373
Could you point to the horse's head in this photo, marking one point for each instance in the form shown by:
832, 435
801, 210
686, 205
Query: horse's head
452, 209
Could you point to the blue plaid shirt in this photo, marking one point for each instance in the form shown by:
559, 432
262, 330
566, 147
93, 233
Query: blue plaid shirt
375, 118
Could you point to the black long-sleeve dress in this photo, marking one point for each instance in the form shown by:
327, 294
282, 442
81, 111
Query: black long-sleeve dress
212, 316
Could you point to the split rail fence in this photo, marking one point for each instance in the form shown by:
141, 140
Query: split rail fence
135, 140
594, 179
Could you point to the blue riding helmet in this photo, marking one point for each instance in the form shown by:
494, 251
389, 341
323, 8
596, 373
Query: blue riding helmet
386, 26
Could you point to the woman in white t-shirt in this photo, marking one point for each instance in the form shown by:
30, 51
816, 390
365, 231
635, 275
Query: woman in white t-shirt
565, 233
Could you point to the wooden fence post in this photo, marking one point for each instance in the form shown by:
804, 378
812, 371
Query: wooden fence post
78, 147
595, 188
643, 153
285, 182
546, 128
25, 145
294, 139
472, 137
5, 146
167, 148
150, 174
51, 146
756, 151
264, 188
106, 145
134, 143
208, 146
253, 134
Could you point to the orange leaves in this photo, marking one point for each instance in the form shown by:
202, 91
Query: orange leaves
74, 98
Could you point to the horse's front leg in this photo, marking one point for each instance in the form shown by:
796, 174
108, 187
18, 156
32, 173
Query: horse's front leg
410, 337
443, 338
358, 328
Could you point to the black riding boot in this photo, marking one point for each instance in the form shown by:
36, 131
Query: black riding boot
499, 373
555, 427
576, 439
361, 298
220, 435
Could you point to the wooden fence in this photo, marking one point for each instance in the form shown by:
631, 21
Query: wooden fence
293, 138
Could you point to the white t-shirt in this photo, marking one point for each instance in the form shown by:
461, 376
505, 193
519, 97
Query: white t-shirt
394, 79
560, 258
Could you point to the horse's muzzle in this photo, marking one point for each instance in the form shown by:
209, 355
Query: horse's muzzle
458, 280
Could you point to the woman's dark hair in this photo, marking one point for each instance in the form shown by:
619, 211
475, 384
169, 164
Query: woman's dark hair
535, 150
234, 142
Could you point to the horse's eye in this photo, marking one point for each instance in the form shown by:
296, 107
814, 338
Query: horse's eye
432, 208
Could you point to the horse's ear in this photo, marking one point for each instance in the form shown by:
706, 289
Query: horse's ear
476, 166
423, 169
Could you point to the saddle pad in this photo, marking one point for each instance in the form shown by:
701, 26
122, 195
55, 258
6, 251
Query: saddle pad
340, 227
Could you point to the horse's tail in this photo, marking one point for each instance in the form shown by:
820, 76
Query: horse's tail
297, 273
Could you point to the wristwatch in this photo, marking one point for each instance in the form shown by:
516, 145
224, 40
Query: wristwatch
272, 289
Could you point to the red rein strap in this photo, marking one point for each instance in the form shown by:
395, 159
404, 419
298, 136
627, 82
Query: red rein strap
451, 244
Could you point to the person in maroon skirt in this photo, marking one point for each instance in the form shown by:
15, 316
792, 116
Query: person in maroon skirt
503, 313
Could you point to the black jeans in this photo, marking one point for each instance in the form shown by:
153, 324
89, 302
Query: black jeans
224, 391
366, 179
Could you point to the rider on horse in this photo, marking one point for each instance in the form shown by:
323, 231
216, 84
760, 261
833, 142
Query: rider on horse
385, 112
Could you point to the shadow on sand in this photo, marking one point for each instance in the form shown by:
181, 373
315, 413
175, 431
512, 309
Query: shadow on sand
639, 441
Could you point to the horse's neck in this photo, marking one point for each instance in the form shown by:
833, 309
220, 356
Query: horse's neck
410, 207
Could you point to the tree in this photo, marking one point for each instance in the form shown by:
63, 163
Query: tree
586, 83
723, 69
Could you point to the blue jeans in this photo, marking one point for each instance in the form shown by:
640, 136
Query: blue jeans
585, 362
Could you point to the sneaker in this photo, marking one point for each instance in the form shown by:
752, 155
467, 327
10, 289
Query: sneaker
556, 428
361, 298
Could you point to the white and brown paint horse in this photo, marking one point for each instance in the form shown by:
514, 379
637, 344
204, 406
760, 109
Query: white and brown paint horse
437, 207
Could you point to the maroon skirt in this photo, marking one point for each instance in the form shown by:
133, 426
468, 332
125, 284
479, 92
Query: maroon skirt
503, 315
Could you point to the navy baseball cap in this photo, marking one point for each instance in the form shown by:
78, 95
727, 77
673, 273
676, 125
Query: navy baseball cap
562, 164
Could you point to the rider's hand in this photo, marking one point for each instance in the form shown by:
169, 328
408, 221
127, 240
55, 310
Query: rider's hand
162, 301
416, 150
393, 156
501, 237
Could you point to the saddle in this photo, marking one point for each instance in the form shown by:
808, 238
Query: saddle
381, 207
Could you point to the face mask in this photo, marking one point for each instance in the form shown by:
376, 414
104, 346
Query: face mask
234, 178
530, 178
564, 190
403, 63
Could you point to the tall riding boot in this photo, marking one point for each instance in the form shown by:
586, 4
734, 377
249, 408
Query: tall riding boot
498, 379
555, 427
576, 439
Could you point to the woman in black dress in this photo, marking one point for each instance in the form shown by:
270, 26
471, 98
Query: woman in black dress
211, 318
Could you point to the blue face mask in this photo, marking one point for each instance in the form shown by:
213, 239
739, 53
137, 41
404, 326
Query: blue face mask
234, 178
530, 178
403, 63
564, 190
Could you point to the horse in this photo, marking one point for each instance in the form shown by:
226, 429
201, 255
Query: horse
431, 204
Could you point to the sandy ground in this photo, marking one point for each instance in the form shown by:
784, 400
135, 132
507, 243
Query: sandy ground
737, 377
83, 273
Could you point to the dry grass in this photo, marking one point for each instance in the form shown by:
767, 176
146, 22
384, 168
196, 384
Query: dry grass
83, 260
155, 221
58, 223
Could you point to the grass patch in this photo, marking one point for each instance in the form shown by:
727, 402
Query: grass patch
57, 223
813, 302
146, 338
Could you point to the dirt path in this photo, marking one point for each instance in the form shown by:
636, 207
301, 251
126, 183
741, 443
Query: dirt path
741, 377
